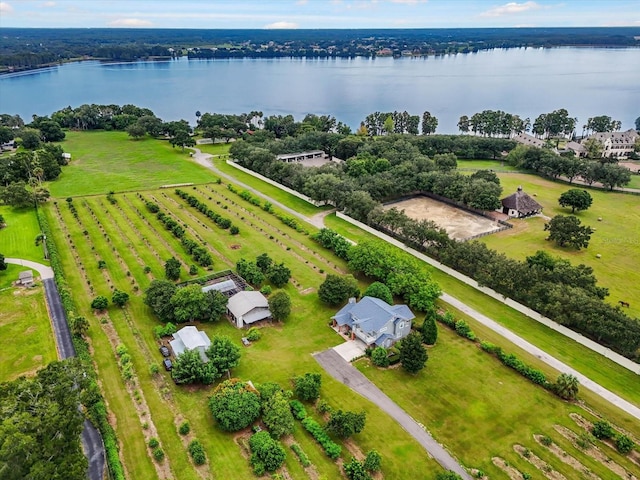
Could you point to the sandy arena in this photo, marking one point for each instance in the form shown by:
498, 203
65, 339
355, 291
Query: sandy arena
458, 223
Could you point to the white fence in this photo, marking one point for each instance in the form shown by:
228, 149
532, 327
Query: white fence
276, 184
581, 339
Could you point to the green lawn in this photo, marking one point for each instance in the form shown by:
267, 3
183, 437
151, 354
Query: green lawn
103, 161
495, 165
17, 239
617, 236
608, 374
25, 326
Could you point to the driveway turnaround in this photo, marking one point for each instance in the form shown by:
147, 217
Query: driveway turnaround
91, 439
344, 372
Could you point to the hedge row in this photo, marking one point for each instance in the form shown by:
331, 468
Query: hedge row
198, 252
219, 220
298, 410
92, 399
267, 207
331, 448
304, 459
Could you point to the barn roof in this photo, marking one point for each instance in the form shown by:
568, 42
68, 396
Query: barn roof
521, 202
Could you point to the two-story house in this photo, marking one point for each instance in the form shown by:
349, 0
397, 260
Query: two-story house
374, 321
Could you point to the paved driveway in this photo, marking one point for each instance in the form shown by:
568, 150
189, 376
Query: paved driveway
344, 372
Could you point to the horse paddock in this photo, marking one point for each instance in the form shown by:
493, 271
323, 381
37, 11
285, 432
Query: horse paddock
458, 223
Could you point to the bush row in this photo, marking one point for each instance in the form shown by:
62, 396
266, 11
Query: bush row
298, 410
219, 220
198, 252
92, 399
604, 431
331, 448
304, 459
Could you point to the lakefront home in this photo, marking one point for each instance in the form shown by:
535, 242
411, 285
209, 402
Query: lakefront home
374, 321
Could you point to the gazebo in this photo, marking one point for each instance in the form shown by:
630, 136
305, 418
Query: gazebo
520, 205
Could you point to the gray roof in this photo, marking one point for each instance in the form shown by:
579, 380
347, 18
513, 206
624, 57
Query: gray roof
521, 202
616, 137
527, 139
244, 302
25, 275
190, 338
371, 314
576, 147
225, 286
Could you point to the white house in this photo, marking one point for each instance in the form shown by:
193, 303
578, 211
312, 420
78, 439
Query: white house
190, 338
248, 307
616, 144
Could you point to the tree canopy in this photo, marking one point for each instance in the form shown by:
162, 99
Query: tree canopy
234, 405
413, 355
280, 305
336, 289
567, 230
576, 198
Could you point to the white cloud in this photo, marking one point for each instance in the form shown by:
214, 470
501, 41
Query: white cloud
130, 22
5, 8
510, 9
49, 4
302, 2
281, 25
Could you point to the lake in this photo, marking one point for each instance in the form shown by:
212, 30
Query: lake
527, 82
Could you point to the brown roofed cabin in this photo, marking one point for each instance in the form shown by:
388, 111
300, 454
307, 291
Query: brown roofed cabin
520, 205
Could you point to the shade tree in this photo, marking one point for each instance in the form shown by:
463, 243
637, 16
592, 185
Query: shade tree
223, 354
344, 424
234, 405
336, 289
413, 355
188, 368
567, 230
576, 198
379, 290
307, 386
280, 305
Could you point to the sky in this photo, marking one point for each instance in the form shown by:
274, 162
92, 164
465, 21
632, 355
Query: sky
318, 13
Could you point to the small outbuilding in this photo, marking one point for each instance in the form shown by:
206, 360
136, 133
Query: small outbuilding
190, 338
248, 307
25, 278
520, 205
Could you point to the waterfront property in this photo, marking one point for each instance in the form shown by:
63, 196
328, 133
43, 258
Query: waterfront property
374, 321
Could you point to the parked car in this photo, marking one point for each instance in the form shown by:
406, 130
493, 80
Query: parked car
168, 366
164, 351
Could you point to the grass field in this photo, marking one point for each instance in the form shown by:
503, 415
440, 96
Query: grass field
287, 346
103, 161
17, 239
617, 236
25, 326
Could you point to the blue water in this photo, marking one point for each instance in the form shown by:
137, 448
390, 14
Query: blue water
528, 82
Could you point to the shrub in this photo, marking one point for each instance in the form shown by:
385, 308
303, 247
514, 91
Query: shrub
158, 454
100, 303
153, 443
624, 444
324, 407
380, 357
602, 430
233, 230
184, 428
355, 470
298, 410
193, 270
268, 455
307, 387
266, 290
448, 476
546, 441
196, 451
154, 369
464, 330
373, 461
253, 334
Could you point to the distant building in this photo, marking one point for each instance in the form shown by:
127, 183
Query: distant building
577, 148
248, 307
374, 321
616, 144
227, 287
314, 158
25, 278
190, 338
529, 140
520, 205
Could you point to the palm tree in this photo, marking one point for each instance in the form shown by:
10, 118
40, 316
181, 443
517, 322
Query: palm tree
567, 386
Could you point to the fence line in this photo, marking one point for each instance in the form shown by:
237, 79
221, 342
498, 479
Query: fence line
276, 184
581, 339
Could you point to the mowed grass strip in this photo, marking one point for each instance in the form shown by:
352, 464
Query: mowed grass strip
103, 161
161, 415
25, 325
616, 239
133, 449
18, 237
601, 370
